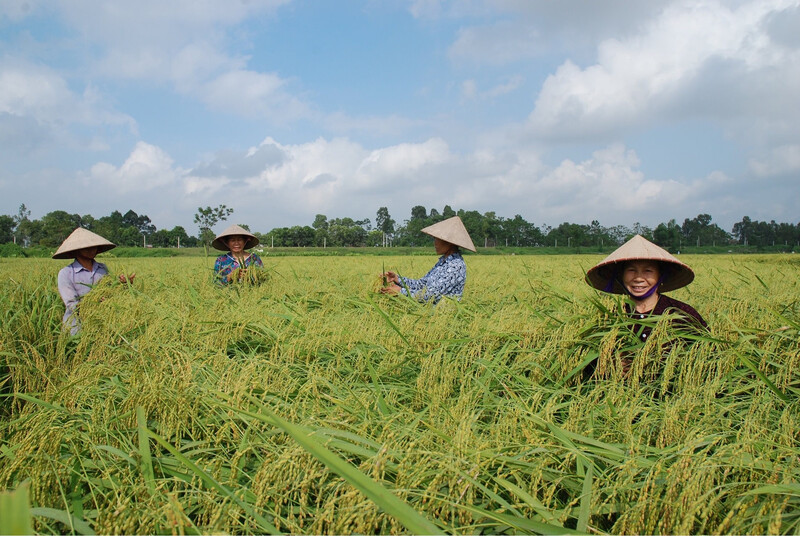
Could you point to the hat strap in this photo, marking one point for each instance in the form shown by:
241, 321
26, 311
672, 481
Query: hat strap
665, 272
648, 293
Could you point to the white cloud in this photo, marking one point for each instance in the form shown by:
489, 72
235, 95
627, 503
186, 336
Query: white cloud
34, 91
147, 168
204, 187
470, 91
197, 62
610, 179
321, 175
511, 85
38, 107
639, 78
294, 182
275, 184
249, 93
500, 32
781, 160
617, 68
404, 161
184, 43
128, 25
314, 176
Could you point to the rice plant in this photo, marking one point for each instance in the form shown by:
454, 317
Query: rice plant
310, 404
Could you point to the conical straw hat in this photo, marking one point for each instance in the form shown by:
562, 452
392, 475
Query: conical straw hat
79, 239
606, 276
451, 230
233, 230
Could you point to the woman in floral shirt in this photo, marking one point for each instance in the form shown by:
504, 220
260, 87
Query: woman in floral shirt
448, 275
235, 240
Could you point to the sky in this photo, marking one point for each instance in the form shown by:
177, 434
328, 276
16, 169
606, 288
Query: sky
571, 111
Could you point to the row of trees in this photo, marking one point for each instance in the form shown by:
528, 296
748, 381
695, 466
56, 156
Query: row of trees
487, 230
129, 229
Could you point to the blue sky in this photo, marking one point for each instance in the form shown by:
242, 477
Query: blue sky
573, 111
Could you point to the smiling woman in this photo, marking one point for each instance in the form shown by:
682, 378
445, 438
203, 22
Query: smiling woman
642, 271
233, 265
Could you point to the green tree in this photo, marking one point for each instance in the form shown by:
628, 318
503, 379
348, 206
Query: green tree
141, 223
347, 232
208, 217
643, 230
159, 239
30, 232
320, 227
419, 213
179, 237
787, 234
621, 233
473, 221
742, 231
412, 235
320, 222
22, 217
56, 226
522, 233
110, 227
571, 235
302, 236
491, 228
7, 226
700, 231
384, 222
668, 235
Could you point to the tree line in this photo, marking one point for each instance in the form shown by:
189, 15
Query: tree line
486, 229
490, 230
129, 229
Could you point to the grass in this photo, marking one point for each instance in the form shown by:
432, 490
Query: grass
308, 404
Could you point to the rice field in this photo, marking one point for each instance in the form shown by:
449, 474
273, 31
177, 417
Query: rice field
310, 404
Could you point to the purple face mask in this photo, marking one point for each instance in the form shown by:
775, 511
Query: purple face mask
616, 279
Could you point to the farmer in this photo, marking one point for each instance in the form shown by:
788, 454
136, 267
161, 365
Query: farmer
77, 279
642, 271
235, 240
448, 275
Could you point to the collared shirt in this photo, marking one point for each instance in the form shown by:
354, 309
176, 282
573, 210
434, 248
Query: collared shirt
225, 264
688, 317
74, 281
446, 278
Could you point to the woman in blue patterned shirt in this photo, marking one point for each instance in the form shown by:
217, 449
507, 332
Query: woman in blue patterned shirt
235, 240
448, 275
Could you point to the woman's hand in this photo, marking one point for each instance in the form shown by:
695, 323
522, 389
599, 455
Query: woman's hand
626, 363
127, 278
392, 289
391, 277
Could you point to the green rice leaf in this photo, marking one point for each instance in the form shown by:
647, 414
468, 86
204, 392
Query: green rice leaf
15, 513
410, 518
78, 525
